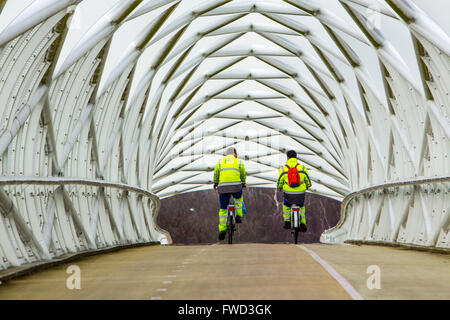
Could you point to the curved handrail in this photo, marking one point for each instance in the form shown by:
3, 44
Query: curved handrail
383, 186
4, 181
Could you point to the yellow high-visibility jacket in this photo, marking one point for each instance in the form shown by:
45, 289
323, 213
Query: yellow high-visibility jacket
229, 171
283, 182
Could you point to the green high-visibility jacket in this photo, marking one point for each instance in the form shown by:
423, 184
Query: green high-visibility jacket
229, 171
283, 181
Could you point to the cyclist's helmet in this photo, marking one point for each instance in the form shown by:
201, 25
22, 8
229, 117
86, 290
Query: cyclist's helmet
291, 154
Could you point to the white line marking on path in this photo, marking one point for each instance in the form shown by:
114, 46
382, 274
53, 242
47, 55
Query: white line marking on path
342, 281
155, 298
167, 282
172, 276
161, 290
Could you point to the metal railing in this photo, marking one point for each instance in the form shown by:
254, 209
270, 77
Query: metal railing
37, 238
340, 234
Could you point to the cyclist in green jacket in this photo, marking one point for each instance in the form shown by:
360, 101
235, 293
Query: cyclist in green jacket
294, 191
229, 179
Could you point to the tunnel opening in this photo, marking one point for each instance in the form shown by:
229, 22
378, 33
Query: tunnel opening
192, 218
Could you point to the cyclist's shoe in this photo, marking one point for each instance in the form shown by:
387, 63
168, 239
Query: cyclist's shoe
222, 235
287, 225
238, 219
303, 227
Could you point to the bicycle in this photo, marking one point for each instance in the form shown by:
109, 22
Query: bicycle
231, 220
295, 222
231, 216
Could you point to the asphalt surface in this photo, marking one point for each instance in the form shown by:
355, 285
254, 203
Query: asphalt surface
242, 271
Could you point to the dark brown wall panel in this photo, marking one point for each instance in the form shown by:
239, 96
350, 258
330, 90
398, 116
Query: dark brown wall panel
193, 217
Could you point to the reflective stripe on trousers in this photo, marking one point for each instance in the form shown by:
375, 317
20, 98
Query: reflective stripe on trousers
287, 214
222, 220
224, 212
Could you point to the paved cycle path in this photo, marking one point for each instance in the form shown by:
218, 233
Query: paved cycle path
239, 271
245, 272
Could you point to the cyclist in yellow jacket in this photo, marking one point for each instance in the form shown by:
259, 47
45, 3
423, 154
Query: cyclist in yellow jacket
293, 195
229, 178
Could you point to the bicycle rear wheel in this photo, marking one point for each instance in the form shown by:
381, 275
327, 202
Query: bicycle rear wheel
230, 235
295, 233
230, 227
295, 220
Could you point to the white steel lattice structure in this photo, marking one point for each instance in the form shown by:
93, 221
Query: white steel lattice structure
93, 136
